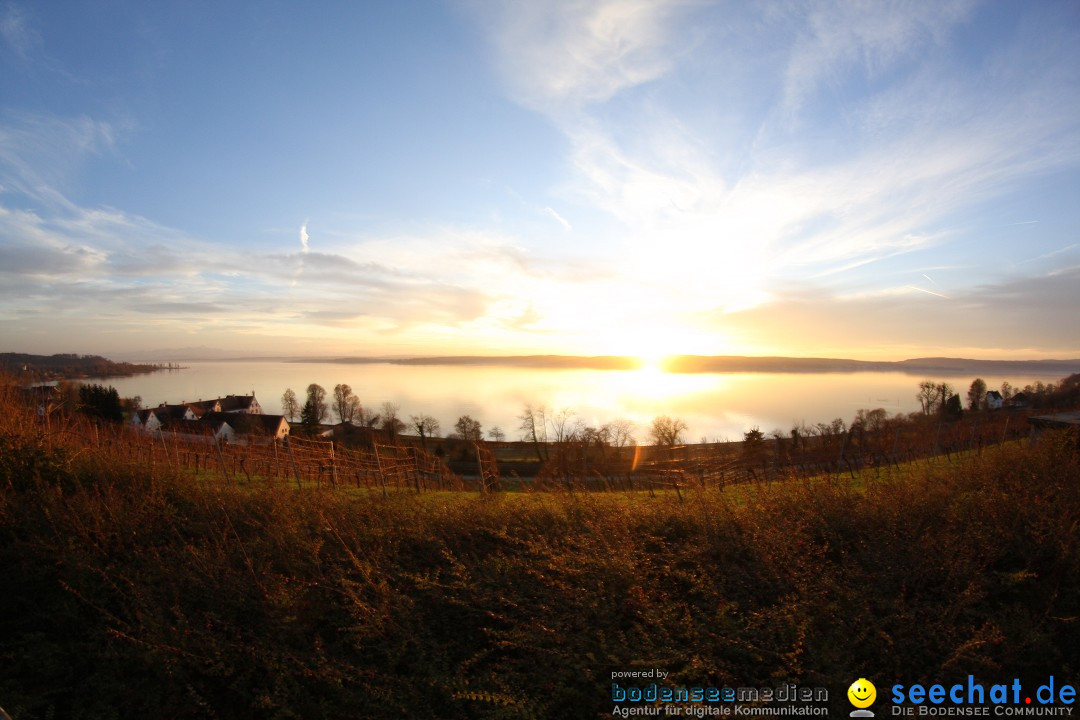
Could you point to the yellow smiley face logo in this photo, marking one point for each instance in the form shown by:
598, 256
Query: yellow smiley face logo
862, 693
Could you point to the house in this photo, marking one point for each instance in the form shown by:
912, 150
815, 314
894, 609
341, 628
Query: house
229, 404
246, 404
146, 420
1019, 400
201, 407
176, 412
993, 400
153, 419
233, 418
245, 427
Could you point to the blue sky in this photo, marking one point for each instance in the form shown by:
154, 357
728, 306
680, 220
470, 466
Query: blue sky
873, 180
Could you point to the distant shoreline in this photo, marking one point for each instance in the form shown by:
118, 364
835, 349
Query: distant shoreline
61, 366
685, 364
722, 363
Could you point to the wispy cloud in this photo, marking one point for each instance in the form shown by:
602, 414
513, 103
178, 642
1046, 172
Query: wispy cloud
568, 53
41, 152
17, 32
559, 219
838, 38
903, 168
928, 292
714, 157
988, 320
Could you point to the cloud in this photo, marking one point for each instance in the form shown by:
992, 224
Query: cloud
837, 38
559, 219
16, 32
989, 320
199, 309
568, 53
40, 152
717, 155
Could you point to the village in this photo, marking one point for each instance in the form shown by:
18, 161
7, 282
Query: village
233, 418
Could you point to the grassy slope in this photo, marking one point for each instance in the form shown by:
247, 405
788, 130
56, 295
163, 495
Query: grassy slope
128, 595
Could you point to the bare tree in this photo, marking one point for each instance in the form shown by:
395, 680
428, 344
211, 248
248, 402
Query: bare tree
534, 427
620, 433
316, 398
390, 422
344, 410
290, 406
667, 431
354, 409
365, 417
593, 437
1006, 391
561, 427
977, 394
496, 434
927, 396
426, 426
872, 420
469, 429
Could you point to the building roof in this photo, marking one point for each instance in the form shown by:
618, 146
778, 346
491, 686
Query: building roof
173, 411
202, 406
245, 424
235, 403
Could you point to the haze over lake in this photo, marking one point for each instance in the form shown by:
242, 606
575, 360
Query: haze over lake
715, 406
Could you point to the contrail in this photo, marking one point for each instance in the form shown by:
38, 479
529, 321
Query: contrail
928, 292
929, 278
304, 237
559, 218
1026, 222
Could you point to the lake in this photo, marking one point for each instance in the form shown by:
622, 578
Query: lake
715, 406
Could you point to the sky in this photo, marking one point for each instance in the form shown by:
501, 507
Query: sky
874, 180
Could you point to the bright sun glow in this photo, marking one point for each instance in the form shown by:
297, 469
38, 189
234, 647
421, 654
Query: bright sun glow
653, 359
653, 346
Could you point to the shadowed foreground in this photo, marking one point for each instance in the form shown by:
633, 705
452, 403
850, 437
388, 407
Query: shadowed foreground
133, 595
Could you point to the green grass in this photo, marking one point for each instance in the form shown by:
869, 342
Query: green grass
136, 595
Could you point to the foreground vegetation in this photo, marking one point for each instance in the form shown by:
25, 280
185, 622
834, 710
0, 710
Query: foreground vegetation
135, 592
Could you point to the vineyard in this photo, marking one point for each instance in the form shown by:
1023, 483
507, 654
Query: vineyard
384, 466
305, 462
827, 450
160, 576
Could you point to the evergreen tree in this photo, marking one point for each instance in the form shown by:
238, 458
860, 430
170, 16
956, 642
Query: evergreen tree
101, 402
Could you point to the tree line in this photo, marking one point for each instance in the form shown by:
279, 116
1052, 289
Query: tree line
538, 424
941, 398
541, 427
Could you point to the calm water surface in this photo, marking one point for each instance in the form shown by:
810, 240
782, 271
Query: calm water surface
715, 406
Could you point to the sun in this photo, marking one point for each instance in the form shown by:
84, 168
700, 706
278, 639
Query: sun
654, 361
652, 341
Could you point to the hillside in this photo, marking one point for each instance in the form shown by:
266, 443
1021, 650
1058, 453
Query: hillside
135, 591
67, 366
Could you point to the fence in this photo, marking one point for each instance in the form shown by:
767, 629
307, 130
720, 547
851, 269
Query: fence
307, 462
384, 467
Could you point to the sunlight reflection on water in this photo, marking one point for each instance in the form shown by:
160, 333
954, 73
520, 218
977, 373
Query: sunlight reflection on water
714, 405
